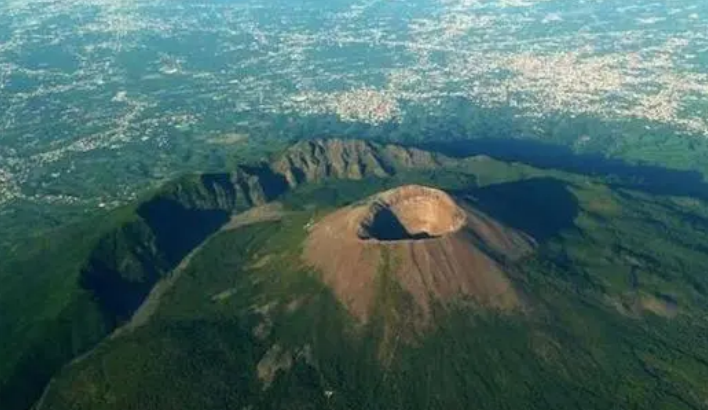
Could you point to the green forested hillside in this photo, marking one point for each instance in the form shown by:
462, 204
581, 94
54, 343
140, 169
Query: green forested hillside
614, 298
65, 291
613, 318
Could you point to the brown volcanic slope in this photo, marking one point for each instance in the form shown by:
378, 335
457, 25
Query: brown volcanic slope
438, 251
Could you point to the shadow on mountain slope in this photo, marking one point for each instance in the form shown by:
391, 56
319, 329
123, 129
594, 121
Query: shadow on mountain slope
647, 178
540, 207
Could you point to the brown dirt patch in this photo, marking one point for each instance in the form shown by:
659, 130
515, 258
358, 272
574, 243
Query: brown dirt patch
636, 304
658, 306
275, 359
272, 211
261, 262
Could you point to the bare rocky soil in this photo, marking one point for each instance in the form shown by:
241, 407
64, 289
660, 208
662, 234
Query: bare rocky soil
436, 250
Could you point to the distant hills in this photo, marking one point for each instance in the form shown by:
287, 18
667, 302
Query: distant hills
602, 289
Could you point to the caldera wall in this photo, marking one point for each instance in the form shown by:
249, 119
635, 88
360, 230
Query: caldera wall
409, 213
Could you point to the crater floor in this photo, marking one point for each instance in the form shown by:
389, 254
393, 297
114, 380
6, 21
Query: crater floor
411, 212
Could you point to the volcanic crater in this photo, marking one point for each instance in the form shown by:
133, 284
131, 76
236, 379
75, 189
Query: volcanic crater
439, 250
410, 213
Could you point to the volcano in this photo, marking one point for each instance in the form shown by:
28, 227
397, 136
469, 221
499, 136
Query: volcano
287, 285
438, 249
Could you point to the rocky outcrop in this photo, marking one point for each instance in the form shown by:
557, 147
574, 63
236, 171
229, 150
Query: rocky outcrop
241, 189
316, 160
